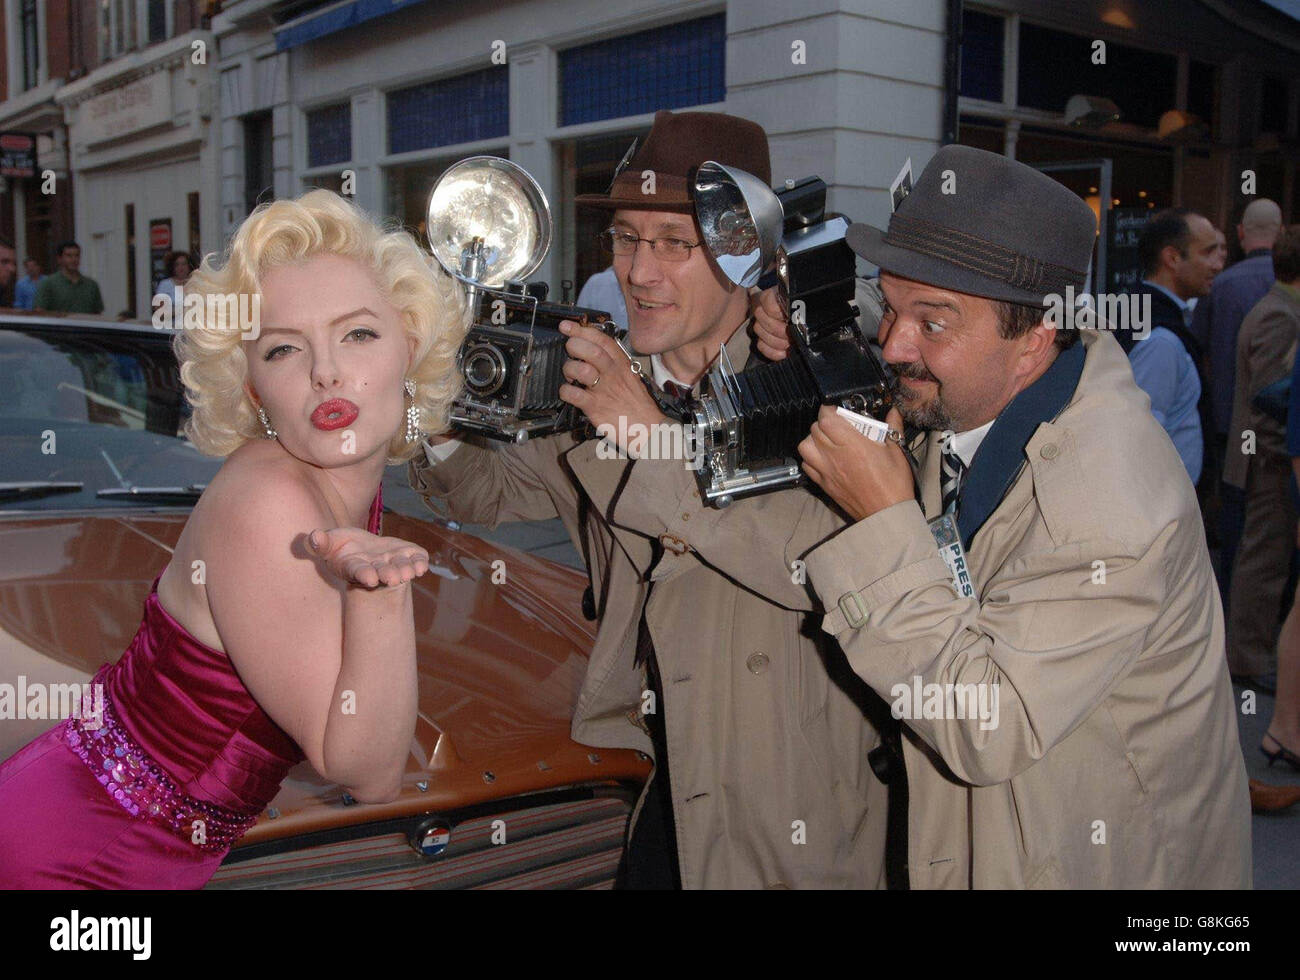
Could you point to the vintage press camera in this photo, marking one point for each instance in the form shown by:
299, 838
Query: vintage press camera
489, 225
744, 428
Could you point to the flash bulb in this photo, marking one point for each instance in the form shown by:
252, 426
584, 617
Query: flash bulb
488, 222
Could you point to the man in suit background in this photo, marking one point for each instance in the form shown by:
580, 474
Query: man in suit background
1257, 464
1179, 253
1215, 325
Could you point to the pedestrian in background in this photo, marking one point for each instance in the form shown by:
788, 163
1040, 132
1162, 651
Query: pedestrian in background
1179, 253
25, 288
1257, 464
68, 291
602, 292
1215, 327
179, 267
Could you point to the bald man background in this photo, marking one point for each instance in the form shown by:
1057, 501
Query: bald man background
1215, 325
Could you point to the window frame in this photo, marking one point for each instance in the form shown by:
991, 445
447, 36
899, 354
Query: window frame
15, 52
1009, 111
133, 36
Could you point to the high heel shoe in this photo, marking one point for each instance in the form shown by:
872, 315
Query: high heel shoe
1283, 754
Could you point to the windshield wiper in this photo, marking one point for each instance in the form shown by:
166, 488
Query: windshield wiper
192, 492
37, 488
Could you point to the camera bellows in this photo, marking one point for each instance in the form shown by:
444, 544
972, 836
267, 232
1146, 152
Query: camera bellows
778, 403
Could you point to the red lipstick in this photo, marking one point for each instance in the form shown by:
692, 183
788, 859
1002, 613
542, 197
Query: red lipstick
334, 414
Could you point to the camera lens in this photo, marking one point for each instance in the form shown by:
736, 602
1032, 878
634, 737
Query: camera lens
485, 369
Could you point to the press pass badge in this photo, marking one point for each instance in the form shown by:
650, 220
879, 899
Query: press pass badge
948, 540
901, 187
873, 429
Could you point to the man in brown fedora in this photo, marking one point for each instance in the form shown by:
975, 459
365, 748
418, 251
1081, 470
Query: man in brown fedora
761, 776
1051, 566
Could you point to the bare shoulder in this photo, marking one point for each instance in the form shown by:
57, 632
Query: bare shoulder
253, 511
260, 501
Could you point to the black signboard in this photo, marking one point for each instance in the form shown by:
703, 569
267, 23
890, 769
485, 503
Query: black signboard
1123, 270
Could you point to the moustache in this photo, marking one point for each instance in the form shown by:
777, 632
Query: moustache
913, 370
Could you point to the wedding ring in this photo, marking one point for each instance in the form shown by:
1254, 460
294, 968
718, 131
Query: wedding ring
594, 383
894, 436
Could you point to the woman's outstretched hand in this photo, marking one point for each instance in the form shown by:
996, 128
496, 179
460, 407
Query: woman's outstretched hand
361, 558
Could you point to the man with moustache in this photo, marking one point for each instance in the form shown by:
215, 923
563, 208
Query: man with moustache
761, 772
1090, 619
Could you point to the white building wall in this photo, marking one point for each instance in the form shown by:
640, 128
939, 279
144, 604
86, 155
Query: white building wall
152, 166
868, 95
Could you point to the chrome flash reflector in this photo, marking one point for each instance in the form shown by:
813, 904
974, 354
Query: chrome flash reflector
489, 222
741, 220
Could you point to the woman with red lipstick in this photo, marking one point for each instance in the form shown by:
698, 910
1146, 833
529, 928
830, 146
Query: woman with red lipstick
282, 628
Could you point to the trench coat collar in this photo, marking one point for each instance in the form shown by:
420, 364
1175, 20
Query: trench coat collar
1000, 456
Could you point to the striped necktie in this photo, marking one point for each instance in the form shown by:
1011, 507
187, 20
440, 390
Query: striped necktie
952, 470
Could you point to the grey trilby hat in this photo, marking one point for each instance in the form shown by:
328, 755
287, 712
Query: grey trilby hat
980, 223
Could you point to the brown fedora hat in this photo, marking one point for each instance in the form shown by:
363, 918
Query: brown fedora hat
678, 143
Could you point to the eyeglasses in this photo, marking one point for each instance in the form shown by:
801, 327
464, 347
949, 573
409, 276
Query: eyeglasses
618, 242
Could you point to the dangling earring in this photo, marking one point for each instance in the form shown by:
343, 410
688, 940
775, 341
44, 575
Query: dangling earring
266, 422
412, 413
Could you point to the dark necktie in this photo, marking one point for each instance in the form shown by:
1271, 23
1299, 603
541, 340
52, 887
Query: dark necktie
952, 470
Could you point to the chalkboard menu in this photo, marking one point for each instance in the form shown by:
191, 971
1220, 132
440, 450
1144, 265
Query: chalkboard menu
1123, 270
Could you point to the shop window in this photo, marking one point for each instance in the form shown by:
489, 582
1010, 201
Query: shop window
463, 109
1142, 174
408, 188
1272, 104
196, 239
589, 163
662, 68
117, 28
130, 261
981, 56
332, 181
329, 135
1055, 65
259, 179
1201, 90
982, 133
157, 21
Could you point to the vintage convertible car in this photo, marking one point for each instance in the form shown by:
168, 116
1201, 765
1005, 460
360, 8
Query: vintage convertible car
95, 486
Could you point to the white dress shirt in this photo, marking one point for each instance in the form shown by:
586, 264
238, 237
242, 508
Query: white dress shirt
965, 444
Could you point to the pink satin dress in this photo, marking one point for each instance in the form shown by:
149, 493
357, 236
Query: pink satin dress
154, 793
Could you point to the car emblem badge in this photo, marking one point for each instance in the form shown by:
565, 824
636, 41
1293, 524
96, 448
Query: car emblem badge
432, 837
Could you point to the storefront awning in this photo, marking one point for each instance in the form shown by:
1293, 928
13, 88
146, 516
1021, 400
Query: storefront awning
338, 17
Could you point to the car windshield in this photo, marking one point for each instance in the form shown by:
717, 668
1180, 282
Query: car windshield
84, 411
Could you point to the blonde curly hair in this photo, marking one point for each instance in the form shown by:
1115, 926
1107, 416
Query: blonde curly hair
212, 361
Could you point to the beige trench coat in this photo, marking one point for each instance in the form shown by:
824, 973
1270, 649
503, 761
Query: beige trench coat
1115, 761
770, 781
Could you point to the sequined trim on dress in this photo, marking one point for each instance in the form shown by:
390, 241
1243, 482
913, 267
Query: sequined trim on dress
141, 787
